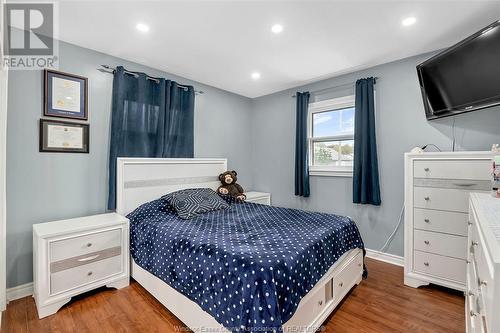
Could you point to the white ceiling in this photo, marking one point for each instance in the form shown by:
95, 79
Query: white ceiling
221, 43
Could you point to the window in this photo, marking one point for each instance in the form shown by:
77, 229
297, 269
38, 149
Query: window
331, 137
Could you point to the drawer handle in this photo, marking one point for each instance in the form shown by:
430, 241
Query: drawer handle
89, 273
341, 284
427, 198
469, 223
89, 244
463, 184
426, 264
483, 283
320, 302
426, 242
474, 243
88, 258
426, 220
472, 313
426, 169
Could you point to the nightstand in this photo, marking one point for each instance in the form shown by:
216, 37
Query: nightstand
77, 255
258, 197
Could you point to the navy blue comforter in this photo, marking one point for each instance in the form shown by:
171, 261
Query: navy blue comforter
248, 266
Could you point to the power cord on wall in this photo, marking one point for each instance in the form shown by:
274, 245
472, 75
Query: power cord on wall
391, 237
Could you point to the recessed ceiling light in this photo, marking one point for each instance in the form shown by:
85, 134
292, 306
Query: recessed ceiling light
277, 28
142, 27
409, 21
255, 75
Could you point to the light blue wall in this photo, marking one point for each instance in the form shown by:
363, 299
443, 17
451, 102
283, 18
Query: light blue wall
257, 137
401, 125
48, 186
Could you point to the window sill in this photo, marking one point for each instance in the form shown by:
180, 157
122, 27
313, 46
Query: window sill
331, 173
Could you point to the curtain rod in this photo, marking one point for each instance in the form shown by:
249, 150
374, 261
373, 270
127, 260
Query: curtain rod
334, 87
111, 70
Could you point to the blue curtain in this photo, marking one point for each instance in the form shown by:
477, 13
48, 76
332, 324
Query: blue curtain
366, 187
301, 156
148, 119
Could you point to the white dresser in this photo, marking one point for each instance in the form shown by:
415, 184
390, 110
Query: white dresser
482, 305
437, 187
258, 197
74, 256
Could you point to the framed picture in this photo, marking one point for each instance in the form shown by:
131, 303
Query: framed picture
63, 137
65, 95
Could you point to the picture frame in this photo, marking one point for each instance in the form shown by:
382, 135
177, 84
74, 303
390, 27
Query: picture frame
58, 136
65, 95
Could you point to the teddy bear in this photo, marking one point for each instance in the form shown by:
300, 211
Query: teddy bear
229, 185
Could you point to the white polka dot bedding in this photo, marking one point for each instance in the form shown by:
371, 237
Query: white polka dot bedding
248, 266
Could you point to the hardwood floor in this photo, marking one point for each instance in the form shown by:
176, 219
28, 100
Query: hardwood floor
380, 303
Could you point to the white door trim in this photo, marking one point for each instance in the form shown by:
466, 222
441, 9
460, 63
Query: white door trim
3, 152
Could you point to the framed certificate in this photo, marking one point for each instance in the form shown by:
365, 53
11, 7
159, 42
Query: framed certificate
63, 137
65, 95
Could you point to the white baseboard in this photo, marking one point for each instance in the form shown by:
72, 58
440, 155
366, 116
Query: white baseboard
385, 257
19, 291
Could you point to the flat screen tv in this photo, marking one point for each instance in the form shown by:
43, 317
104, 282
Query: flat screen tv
463, 78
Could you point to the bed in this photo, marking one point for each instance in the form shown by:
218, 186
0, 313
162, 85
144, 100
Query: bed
251, 267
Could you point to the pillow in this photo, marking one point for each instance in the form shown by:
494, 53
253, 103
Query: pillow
189, 203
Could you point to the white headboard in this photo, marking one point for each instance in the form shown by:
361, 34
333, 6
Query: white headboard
139, 180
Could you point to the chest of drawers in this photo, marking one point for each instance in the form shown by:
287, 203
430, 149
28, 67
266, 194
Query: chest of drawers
74, 256
482, 304
437, 188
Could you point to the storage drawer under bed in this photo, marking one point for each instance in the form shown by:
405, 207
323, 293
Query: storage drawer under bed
333, 290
